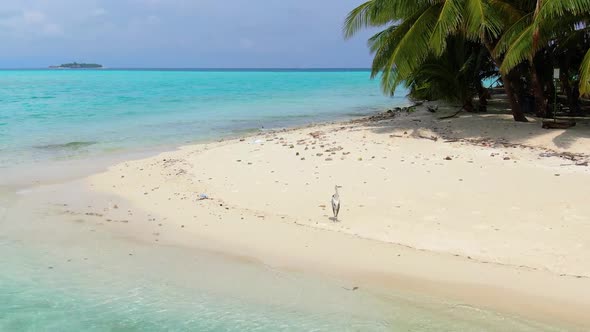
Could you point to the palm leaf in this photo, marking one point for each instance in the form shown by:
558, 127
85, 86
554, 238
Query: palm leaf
447, 23
559, 8
520, 49
486, 17
403, 49
375, 13
383, 44
585, 75
511, 34
414, 46
361, 17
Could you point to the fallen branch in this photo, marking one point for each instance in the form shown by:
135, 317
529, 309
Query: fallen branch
432, 138
453, 115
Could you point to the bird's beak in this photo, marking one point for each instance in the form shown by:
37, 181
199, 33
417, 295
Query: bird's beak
339, 187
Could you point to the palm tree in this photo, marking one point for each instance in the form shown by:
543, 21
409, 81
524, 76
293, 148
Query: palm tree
418, 29
454, 76
549, 25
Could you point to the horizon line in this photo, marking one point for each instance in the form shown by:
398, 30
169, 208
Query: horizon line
192, 68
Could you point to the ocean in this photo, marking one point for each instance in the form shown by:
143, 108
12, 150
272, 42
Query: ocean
59, 114
59, 275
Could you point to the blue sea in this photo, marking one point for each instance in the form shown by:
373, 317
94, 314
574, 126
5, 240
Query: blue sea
58, 275
56, 114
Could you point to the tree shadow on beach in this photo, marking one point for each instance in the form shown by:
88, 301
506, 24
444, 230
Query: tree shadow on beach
496, 124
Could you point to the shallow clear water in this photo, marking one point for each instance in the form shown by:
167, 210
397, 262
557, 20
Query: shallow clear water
54, 114
59, 274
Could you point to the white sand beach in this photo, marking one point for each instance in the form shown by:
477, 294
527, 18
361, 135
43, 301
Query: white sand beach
476, 209
490, 213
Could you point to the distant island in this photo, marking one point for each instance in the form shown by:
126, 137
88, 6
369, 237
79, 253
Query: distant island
75, 65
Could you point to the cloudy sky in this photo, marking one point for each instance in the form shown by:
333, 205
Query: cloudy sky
179, 33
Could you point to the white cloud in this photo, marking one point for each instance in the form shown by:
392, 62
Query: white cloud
27, 24
33, 17
198, 28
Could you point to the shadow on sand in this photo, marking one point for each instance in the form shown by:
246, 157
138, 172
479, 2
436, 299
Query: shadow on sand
495, 125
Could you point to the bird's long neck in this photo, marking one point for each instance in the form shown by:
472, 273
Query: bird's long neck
336, 194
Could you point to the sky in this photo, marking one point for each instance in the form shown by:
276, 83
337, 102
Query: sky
180, 33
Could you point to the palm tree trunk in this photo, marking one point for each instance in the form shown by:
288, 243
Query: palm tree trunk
565, 82
468, 105
575, 104
517, 113
540, 105
538, 92
483, 95
573, 99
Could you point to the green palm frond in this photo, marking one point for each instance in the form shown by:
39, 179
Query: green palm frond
485, 17
415, 43
363, 16
560, 8
375, 13
399, 56
566, 10
390, 80
438, 72
467, 67
509, 10
520, 49
452, 76
448, 20
511, 34
384, 43
585, 75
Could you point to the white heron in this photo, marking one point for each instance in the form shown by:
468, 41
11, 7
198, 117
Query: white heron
336, 202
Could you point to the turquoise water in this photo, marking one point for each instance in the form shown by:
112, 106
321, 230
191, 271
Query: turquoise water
58, 275
56, 114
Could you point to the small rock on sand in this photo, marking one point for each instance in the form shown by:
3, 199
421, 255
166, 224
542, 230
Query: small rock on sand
316, 134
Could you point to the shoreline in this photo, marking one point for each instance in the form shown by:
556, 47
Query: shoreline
159, 195
144, 268
14, 177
